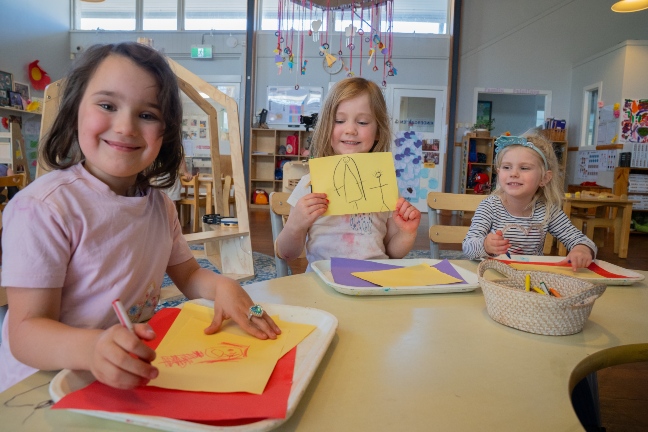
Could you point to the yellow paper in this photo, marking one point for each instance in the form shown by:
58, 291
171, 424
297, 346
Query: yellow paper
419, 275
356, 183
567, 271
228, 361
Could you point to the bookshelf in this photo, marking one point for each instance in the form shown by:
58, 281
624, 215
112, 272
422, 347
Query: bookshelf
268, 148
478, 153
633, 182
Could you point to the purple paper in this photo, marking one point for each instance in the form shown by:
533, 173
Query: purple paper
341, 269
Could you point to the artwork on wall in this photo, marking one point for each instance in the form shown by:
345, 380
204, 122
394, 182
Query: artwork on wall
484, 111
634, 126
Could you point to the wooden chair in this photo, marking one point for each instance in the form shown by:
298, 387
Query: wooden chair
190, 196
448, 233
279, 210
604, 217
229, 196
17, 180
293, 172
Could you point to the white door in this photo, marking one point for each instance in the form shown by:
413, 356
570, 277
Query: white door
420, 143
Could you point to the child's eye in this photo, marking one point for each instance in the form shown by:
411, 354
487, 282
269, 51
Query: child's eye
363, 123
148, 116
107, 106
339, 121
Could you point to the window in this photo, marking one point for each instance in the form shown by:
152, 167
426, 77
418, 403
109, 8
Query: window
410, 16
590, 114
160, 15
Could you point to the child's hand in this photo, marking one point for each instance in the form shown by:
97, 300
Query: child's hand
580, 257
121, 360
187, 177
307, 210
406, 216
496, 244
231, 301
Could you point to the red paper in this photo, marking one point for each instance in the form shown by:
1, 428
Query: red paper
593, 267
210, 408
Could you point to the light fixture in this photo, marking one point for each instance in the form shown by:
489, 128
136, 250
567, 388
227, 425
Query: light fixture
630, 5
92, 1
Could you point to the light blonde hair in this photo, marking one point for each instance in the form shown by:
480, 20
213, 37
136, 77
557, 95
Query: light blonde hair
346, 89
551, 193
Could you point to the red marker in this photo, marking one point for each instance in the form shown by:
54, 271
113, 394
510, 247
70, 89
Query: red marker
122, 315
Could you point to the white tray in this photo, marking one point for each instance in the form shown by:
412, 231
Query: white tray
309, 355
323, 269
630, 276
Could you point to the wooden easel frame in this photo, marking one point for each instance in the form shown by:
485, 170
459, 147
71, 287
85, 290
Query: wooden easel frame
228, 248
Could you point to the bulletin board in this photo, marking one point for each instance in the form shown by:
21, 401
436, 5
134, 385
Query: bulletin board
286, 104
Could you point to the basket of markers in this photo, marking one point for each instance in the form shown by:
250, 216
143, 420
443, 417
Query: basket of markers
537, 302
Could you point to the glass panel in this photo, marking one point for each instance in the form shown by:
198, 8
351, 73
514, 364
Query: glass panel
416, 114
160, 15
294, 16
222, 15
591, 116
107, 15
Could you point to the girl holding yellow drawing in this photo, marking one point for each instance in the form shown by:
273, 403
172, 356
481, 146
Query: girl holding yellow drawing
94, 229
353, 120
525, 206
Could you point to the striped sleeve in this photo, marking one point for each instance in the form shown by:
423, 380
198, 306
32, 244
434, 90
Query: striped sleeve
561, 227
482, 222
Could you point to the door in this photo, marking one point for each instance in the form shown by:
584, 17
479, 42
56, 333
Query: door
420, 145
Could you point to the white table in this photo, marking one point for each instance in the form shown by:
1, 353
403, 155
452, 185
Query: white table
417, 362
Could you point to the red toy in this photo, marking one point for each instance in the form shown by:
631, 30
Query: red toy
482, 184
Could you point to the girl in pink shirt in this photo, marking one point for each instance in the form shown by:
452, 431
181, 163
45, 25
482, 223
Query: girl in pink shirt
95, 229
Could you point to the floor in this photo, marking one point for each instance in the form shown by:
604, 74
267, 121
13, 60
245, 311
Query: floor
623, 390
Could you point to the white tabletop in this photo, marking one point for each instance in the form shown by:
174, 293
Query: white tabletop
417, 362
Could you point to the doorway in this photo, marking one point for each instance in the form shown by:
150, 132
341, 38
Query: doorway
514, 110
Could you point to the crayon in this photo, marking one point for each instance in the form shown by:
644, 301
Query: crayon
122, 315
527, 282
544, 288
538, 290
554, 292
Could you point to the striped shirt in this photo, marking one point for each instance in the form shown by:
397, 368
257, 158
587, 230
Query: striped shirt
525, 234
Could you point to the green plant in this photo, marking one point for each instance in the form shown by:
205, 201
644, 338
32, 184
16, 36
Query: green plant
484, 124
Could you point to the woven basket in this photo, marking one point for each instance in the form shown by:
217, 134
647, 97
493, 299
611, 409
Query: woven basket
508, 303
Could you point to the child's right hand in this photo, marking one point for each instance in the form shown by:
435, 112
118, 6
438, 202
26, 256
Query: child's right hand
307, 210
121, 360
496, 244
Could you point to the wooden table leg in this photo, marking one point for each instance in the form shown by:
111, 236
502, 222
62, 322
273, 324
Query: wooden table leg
625, 230
562, 250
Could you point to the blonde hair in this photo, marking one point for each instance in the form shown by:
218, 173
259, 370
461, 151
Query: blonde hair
551, 193
344, 90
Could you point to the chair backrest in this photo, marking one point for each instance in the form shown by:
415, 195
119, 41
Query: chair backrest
18, 181
279, 208
448, 233
292, 173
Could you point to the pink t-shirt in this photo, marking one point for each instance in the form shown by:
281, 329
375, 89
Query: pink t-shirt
68, 229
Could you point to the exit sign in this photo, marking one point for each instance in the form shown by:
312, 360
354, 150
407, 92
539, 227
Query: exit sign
201, 51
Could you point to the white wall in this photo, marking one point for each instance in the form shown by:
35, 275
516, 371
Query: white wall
34, 30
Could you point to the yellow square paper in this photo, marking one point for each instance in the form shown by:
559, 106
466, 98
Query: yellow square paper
228, 361
567, 271
419, 275
356, 183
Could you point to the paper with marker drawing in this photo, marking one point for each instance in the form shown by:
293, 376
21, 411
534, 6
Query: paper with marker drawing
419, 275
227, 361
356, 183
342, 270
567, 271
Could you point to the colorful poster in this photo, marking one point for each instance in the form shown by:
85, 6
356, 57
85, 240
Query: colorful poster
407, 161
634, 126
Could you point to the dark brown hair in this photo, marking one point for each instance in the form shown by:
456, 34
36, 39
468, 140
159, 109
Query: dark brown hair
60, 148
346, 89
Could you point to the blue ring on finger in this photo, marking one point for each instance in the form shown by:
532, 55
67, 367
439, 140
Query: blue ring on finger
255, 311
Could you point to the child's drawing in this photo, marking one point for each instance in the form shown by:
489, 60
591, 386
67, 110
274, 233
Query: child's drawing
224, 352
346, 178
378, 175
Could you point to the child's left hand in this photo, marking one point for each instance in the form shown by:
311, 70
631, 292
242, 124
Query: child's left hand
231, 301
580, 257
406, 216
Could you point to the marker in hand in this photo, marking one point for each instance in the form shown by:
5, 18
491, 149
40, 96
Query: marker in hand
122, 315
500, 233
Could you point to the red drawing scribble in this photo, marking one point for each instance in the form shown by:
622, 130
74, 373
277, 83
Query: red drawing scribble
224, 352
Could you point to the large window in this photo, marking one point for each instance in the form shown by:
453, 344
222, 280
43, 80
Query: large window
409, 16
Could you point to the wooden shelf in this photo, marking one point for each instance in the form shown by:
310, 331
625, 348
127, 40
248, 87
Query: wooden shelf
18, 111
265, 157
622, 182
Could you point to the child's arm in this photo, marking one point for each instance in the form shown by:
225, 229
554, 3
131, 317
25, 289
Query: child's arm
292, 238
230, 300
39, 340
480, 241
581, 249
401, 229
